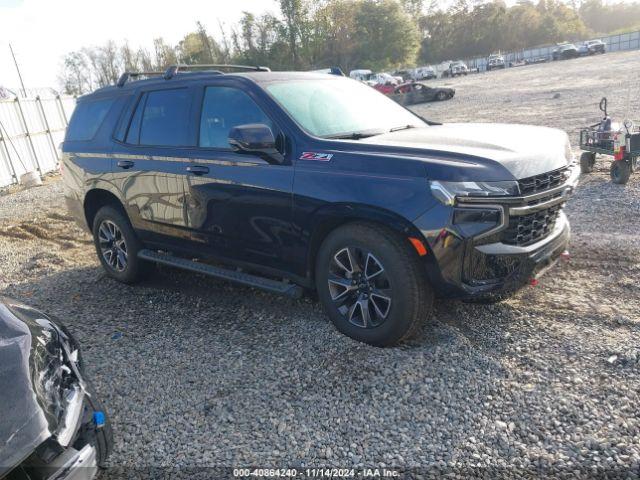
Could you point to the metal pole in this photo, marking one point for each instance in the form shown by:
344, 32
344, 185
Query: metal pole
26, 133
64, 114
46, 126
24, 91
7, 155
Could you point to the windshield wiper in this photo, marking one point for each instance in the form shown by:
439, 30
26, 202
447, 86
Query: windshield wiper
403, 127
354, 135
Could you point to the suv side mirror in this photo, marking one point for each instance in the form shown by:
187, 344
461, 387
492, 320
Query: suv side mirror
255, 138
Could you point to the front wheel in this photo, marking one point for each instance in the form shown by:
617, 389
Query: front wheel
372, 284
442, 96
620, 171
587, 161
117, 246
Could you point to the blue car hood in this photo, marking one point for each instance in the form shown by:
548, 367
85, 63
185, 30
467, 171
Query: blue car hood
523, 150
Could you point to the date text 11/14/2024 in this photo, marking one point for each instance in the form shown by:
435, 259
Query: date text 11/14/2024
315, 473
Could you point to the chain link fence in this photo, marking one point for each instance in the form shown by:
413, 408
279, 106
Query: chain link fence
614, 43
30, 131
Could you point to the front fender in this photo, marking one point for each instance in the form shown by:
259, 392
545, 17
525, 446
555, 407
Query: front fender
329, 217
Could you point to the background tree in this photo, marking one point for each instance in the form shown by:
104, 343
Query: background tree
374, 34
294, 13
387, 35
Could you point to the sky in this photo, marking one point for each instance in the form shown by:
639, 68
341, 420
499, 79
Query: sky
42, 31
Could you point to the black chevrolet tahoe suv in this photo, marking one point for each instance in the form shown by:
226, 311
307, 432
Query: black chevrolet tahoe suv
289, 181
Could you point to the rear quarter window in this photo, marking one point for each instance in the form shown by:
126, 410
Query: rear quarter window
165, 119
87, 118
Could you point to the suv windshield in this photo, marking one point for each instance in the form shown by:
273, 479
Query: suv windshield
340, 107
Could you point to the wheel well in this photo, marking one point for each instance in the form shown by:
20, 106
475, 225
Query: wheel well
97, 198
323, 231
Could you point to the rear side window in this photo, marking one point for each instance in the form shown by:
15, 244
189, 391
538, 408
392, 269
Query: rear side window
86, 119
161, 118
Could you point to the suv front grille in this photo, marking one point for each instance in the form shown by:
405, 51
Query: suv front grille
527, 229
544, 181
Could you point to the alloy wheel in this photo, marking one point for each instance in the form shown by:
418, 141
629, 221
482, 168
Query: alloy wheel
112, 245
359, 287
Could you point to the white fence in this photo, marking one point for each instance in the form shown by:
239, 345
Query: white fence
30, 131
614, 43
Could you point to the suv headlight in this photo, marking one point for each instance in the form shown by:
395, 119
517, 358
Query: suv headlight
446, 192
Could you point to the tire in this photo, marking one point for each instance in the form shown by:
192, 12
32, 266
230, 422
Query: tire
620, 171
587, 161
442, 96
382, 262
127, 268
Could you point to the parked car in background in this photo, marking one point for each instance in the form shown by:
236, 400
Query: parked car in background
424, 73
383, 82
386, 88
495, 61
361, 74
51, 423
592, 47
416, 92
403, 75
455, 69
565, 51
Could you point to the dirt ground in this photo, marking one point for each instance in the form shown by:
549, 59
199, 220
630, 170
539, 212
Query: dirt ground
200, 373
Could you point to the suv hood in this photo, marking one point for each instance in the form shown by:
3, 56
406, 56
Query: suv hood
523, 150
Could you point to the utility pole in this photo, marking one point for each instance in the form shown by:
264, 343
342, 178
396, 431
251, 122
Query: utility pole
24, 91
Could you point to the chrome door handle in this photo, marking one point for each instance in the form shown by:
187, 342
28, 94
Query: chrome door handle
125, 164
197, 169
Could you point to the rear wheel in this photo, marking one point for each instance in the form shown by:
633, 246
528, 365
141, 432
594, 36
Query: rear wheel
372, 285
620, 171
587, 161
117, 246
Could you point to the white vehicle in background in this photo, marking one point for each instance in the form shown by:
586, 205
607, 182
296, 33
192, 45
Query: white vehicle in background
495, 61
362, 75
424, 73
451, 68
387, 77
372, 79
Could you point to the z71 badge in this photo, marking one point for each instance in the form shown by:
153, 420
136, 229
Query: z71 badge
319, 157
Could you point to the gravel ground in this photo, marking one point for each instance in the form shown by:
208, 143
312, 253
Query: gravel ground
200, 373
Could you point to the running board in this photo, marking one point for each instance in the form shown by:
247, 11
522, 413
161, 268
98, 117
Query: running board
242, 278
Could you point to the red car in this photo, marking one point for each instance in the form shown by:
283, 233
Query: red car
386, 88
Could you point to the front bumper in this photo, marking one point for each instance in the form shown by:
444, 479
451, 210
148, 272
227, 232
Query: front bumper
75, 464
499, 267
475, 261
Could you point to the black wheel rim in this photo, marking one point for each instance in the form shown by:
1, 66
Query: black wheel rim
359, 287
112, 246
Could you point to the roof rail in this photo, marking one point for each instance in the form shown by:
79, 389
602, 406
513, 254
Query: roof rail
174, 69
126, 76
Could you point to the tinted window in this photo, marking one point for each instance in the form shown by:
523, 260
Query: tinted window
133, 136
224, 108
165, 120
87, 118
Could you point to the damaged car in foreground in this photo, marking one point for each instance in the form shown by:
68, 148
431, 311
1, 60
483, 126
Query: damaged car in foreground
51, 425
